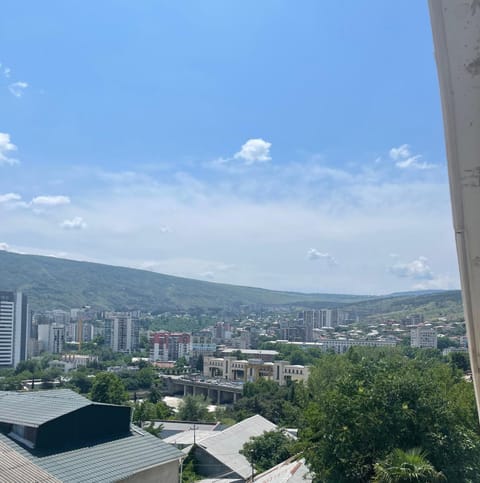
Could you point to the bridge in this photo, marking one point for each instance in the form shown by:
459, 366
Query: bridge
218, 391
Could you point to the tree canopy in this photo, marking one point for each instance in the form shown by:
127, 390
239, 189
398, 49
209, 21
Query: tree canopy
108, 388
268, 449
367, 403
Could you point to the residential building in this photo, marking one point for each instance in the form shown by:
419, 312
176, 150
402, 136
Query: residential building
423, 337
218, 455
342, 345
121, 332
15, 328
170, 346
202, 343
60, 436
51, 337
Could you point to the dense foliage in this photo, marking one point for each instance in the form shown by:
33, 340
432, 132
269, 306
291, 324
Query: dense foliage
194, 408
268, 449
108, 388
368, 403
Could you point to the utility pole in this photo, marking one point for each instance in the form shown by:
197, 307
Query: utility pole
194, 427
251, 464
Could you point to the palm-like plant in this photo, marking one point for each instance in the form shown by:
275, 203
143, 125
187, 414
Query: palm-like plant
409, 466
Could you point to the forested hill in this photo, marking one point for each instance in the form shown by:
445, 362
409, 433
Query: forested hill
58, 283
447, 303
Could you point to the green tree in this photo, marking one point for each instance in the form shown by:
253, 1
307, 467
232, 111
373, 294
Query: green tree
409, 466
369, 402
194, 408
460, 360
108, 388
155, 394
268, 449
81, 382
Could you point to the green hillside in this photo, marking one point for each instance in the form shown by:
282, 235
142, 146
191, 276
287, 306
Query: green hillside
430, 305
58, 283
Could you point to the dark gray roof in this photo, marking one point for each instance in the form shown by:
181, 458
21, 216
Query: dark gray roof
37, 407
104, 462
16, 468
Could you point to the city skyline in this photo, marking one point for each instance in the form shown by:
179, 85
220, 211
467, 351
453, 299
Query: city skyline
263, 145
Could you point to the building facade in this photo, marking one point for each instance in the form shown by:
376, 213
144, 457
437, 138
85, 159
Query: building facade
121, 332
425, 337
250, 370
170, 346
15, 328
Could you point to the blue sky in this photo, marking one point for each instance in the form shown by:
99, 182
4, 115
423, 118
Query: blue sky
288, 145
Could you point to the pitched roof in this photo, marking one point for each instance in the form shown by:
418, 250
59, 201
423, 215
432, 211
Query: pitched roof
289, 471
225, 445
16, 468
187, 437
37, 407
103, 462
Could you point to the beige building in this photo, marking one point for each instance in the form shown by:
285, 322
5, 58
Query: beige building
250, 370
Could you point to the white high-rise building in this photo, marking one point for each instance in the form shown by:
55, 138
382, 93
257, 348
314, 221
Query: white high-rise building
121, 332
15, 328
423, 337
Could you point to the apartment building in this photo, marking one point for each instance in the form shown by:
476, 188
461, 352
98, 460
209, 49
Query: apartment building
121, 332
15, 328
423, 337
170, 346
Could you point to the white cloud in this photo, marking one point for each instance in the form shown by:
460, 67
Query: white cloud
437, 283
6, 147
76, 223
262, 224
7, 197
50, 200
254, 150
401, 152
314, 254
404, 158
4, 246
6, 72
17, 88
165, 229
418, 269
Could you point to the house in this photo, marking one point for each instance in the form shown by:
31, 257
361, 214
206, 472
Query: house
218, 456
63, 437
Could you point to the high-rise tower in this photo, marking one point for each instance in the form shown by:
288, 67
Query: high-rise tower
14, 328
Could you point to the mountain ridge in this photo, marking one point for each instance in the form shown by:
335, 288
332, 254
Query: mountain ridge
52, 282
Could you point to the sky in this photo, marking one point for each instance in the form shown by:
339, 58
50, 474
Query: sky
278, 144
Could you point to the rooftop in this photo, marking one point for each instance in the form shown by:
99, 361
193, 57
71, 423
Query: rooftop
104, 462
225, 445
38, 407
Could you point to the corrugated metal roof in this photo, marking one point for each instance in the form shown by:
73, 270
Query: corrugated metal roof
37, 407
187, 437
225, 445
289, 471
15, 468
104, 462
